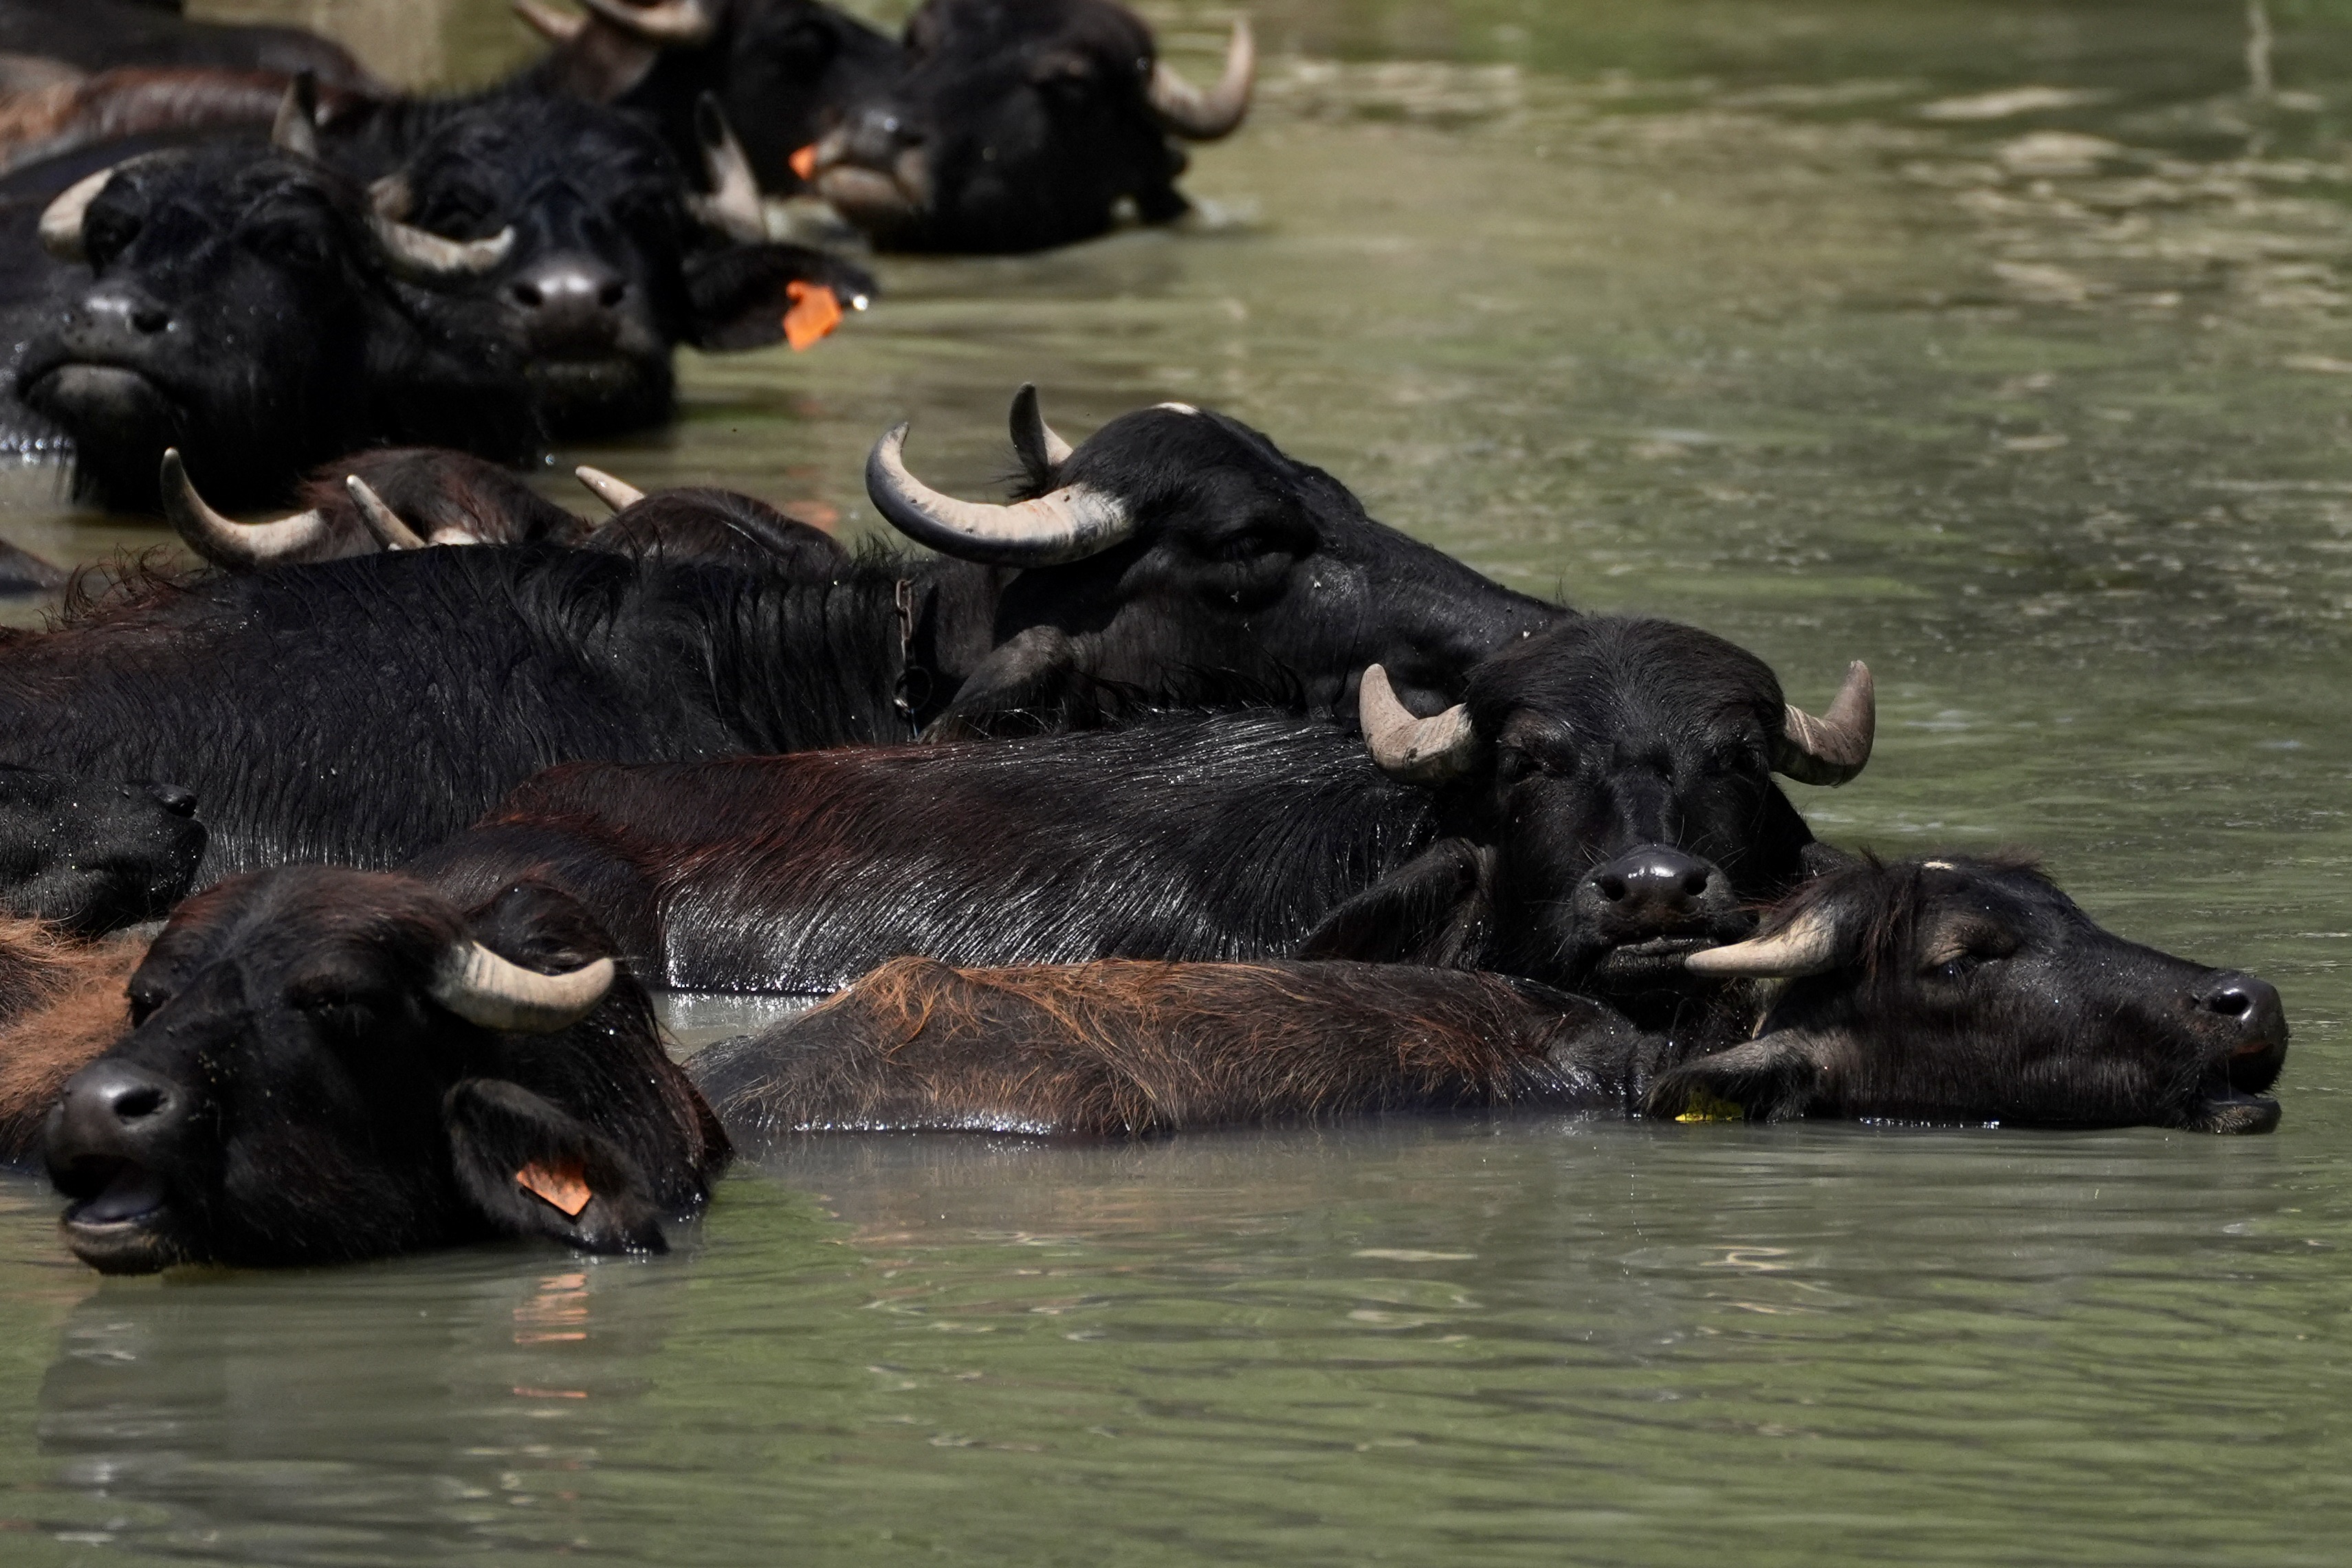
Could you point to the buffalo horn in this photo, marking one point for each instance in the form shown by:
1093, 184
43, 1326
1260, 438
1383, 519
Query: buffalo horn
1041, 451
381, 519
61, 220
233, 545
733, 207
1417, 750
420, 253
1070, 524
294, 130
482, 988
1200, 116
548, 23
1807, 945
1832, 748
618, 493
662, 22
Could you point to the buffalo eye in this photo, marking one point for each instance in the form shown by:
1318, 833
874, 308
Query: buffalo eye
107, 232
1511, 764
1735, 757
1961, 949
293, 243
144, 1000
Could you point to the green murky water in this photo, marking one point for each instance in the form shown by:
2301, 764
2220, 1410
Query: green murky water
1807, 322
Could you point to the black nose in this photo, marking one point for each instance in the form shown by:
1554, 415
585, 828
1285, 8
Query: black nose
877, 136
113, 1111
2252, 1006
115, 314
570, 303
1653, 886
176, 799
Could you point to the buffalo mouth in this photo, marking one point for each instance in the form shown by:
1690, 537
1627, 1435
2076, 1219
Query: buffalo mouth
882, 203
1652, 958
2231, 1110
83, 396
126, 1225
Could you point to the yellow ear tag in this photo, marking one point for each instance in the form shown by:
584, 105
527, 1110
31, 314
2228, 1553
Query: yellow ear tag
814, 316
564, 1185
1703, 1106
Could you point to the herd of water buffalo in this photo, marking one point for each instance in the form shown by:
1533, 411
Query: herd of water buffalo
1176, 793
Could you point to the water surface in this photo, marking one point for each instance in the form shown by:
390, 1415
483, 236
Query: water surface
2004, 346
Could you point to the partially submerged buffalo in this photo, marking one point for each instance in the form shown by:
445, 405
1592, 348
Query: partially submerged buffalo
1931, 991
1600, 804
1016, 127
92, 855
326, 1064
46, 41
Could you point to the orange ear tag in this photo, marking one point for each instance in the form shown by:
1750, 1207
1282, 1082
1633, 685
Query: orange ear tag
564, 1185
814, 316
804, 162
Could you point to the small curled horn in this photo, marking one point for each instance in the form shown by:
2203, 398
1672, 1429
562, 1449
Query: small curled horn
1200, 116
618, 493
497, 993
296, 127
1070, 524
234, 545
1417, 750
61, 219
381, 519
662, 22
420, 254
733, 207
1041, 451
1835, 746
1813, 943
547, 22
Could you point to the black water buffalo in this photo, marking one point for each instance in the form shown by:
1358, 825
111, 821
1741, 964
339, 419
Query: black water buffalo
1927, 990
514, 268
1602, 804
364, 709
326, 1064
90, 855
1018, 126
84, 35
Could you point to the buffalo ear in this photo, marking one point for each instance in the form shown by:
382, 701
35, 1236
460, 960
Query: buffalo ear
532, 1169
738, 296
1432, 910
1770, 1079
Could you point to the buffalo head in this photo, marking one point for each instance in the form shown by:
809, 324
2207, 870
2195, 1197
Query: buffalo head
92, 855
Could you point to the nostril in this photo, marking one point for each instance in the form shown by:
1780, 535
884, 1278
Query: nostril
137, 1102
1612, 888
2231, 1004
612, 294
173, 798
1694, 883
150, 319
529, 294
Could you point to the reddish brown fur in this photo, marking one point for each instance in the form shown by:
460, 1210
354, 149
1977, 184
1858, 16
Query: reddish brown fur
61, 1005
1122, 1049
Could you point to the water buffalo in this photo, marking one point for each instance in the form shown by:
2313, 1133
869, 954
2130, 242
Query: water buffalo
495, 272
89, 855
61, 1005
328, 1064
364, 709
1950, 991
93, 34
1018, 126
1600, 805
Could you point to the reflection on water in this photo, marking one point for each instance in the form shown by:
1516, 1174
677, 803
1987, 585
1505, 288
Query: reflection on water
2000, 344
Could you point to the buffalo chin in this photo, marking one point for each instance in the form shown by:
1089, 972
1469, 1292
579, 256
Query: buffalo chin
120, 420
598, 396
870, 200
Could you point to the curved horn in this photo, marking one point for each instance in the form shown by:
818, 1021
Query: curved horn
1809, 945
618, 493
1832, 748
381, 519
1200, 116
296, 129
662, 22
421, 253
61, 219
497, 993
549, 24
1041, 451
1417, 750
733, 207
233, 545
1070, 524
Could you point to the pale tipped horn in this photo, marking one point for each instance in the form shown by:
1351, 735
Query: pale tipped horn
1070, 524
1041, 451
662, 22
497, 993
1834, 748
548, 23
1811, 944
229, 544
1417, 750
1200, 116
296, 127
733, 207
418, 253
381, 519
61, 219
618, 493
